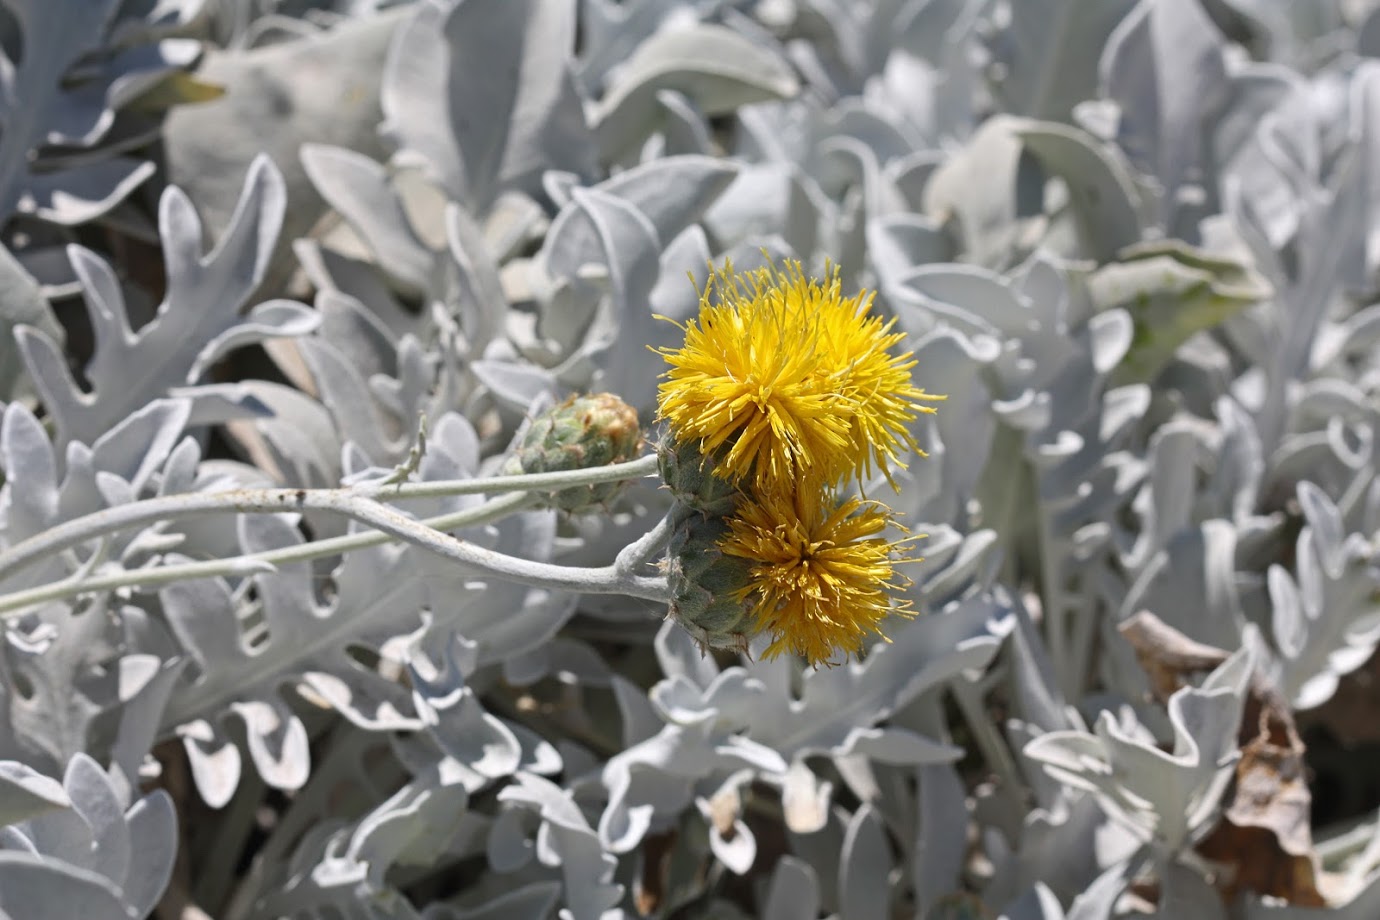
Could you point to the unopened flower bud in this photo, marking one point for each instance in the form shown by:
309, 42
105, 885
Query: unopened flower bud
581, 433
707, 586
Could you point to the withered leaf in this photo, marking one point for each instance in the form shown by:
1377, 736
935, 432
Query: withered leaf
1263, 842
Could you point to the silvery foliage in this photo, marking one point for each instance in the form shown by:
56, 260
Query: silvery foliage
82, 844
71, 69
1136, 254
74, 117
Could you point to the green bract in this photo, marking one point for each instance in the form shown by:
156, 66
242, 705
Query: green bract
706, 586
579, 434
691, 479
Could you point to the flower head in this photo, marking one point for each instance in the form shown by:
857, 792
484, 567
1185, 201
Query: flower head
706, 585
876, 386
581, 433
821, 574
783, 379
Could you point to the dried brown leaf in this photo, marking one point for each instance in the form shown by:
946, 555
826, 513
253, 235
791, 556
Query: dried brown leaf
1168, 657
1263, 842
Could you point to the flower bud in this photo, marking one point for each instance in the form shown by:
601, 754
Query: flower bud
707, 586
581, 433
690, 477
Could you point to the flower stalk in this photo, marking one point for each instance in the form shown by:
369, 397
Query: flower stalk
362, 503
347, 501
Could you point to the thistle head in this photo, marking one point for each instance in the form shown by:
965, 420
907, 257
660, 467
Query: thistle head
580, 433
691, 479
707, 585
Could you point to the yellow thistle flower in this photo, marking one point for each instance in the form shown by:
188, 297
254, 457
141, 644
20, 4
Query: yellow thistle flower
783, 379
821, 576
876, 385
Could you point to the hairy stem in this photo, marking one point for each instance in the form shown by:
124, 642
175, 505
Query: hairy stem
345, 501
81, 582
388, 524
649, 544
357, 502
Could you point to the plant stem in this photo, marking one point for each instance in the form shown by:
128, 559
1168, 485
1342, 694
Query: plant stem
390, 524
357, 502
647, 545
1056, 606
990, 742
82, 583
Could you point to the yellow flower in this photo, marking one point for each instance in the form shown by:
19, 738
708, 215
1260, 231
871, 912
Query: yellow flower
876, 385
821, 576
783, 379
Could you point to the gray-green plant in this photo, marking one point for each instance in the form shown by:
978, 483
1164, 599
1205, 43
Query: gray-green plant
284, 283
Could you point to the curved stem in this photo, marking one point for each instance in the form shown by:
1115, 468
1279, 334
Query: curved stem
649, 544
389, 525
526, 482
604, 580
342, 501
80, 582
